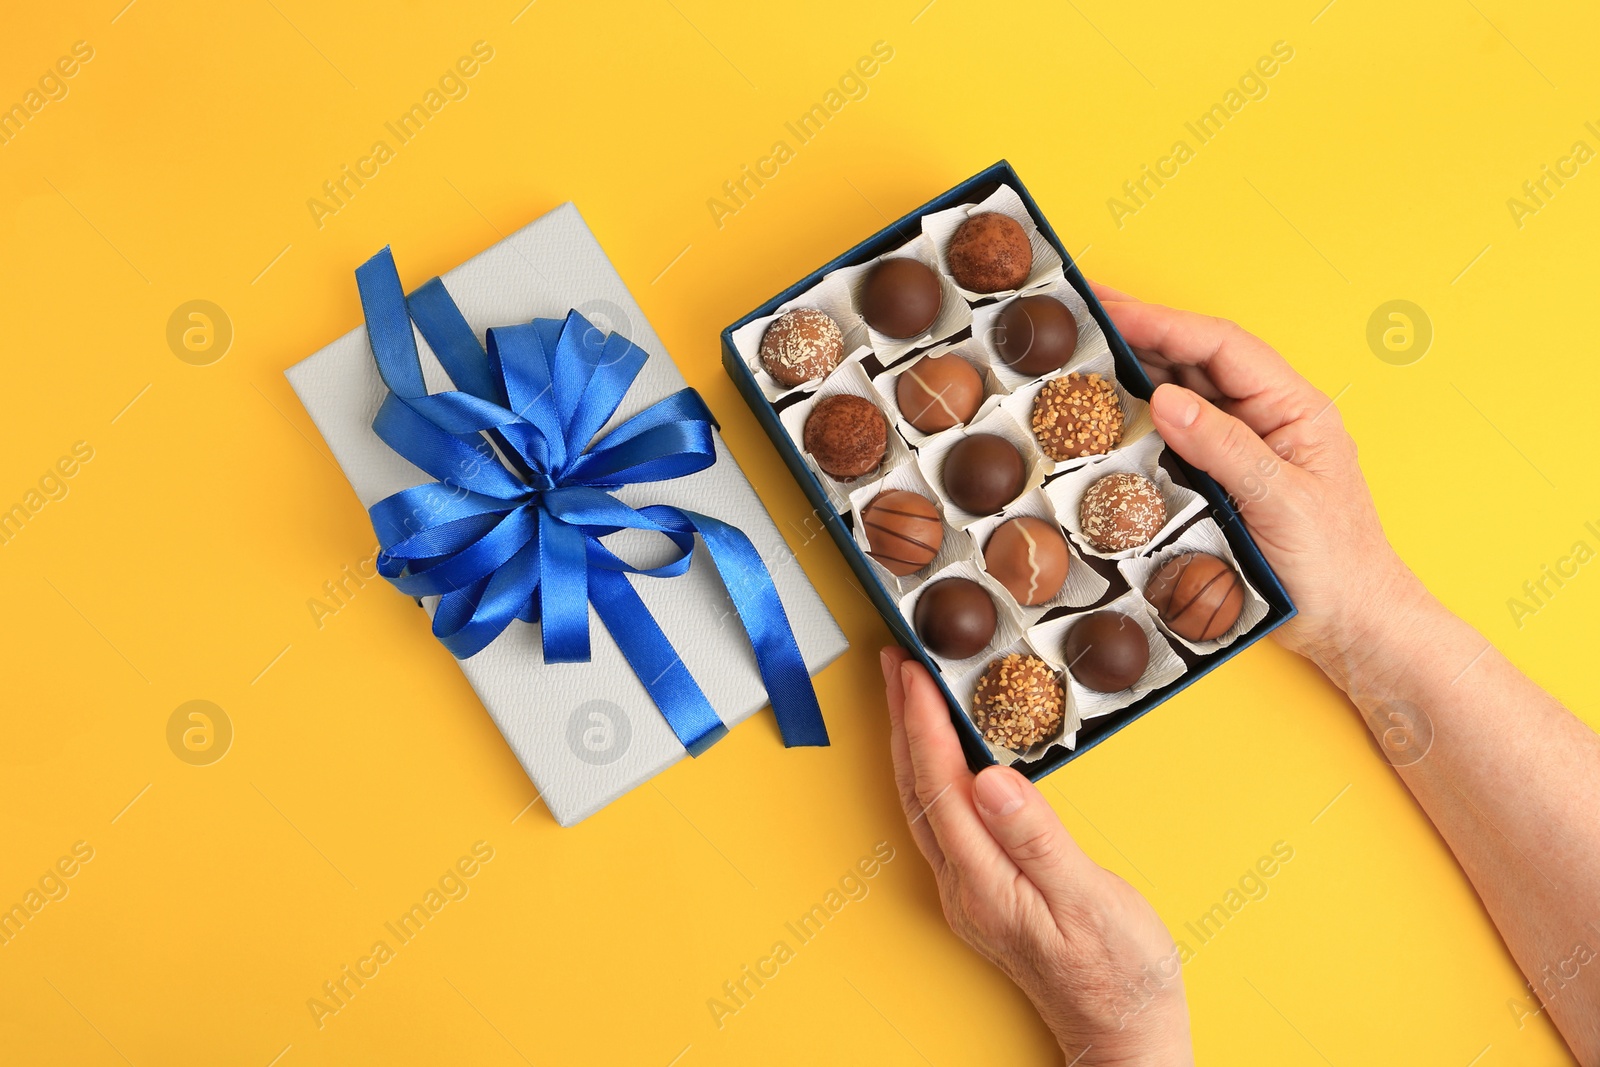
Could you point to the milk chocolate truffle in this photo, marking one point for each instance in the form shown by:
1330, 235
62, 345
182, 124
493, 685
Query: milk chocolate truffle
1121, 511
847, 436
990, 252
1019, 702
1035, 335
1029, 557
1076, 416
939, 392
955, 618
1107, 651
900, 297
983, 473
800, 345
903, 531
1198, 595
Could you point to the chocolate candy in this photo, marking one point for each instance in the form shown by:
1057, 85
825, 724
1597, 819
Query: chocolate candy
800, 345
955, 618
847, 436
1019, 702
903, 530
1198, 595
1035, 335
900, 297
938, 392
1121, 511
1107, 651
1077, 415
1029, 557
990, 252
983, 473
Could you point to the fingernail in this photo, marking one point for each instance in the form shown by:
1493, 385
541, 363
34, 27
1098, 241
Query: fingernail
905, 676
887, 663
1177, 405
997, 794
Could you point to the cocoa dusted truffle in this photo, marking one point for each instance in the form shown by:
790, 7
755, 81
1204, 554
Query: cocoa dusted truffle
989, 253
801, 345
938, 392
900, 297
1029, 557
983, 473
1019, 702
1121, 511
1198, 595
847, 436
1107, 651
1077, 415
955, 618
1035, 335
903, 531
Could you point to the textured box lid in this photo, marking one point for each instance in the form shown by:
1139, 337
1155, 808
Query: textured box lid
585, 732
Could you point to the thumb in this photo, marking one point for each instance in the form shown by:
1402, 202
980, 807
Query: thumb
1212, 440
1026, 827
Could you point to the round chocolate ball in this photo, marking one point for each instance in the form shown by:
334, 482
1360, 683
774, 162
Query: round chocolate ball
1019, 702
1029, 557
983, 473
903, 530
1121, 511
847, 436
938, 392
1035, 335
900, 297
1198, 595
1077, 415
1107, 651
989, 253
955, 618
801, 345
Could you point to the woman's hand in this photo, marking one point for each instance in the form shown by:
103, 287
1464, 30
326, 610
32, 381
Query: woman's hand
1085, 947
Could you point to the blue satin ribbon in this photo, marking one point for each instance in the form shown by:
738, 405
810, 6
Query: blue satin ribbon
512, 527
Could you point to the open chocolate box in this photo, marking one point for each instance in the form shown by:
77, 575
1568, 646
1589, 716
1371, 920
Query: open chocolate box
1199, 517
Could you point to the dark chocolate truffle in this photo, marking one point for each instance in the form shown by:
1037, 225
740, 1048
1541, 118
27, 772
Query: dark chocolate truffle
1019, 702
1035, 335
1107, 651
1198, 595
900, 297
800, 345
983, 473
1077, 415
903, 530
1029, 557
847, 435
955, 618
990, 252
1121, 511
938, 392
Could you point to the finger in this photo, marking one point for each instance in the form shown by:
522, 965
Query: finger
1025, 825
905, 782
1215, 441
1106, 293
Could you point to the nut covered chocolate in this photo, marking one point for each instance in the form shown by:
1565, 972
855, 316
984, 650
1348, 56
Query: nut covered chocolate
1019, 702
1077, 415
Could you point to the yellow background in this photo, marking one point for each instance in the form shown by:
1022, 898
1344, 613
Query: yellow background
179, 565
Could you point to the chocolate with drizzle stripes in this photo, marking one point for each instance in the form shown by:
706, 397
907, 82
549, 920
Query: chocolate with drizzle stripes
1198, 595
903, 530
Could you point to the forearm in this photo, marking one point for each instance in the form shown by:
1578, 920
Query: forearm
1509, 777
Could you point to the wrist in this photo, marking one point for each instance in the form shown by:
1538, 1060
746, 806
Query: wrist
1372, 640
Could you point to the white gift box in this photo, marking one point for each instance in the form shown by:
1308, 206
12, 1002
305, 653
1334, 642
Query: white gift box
585, 732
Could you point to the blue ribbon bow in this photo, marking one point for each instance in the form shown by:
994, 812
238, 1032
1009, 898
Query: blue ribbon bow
513, 531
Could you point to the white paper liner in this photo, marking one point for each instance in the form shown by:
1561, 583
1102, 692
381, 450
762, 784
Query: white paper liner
954, 547
832, 295
1143, 457
1203, 536
1008, 623
940, 226
1084, 585
930, 457
888, 383
1048, 640
1136, 421
1091, 340
963, 687
850, 378
955, 314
